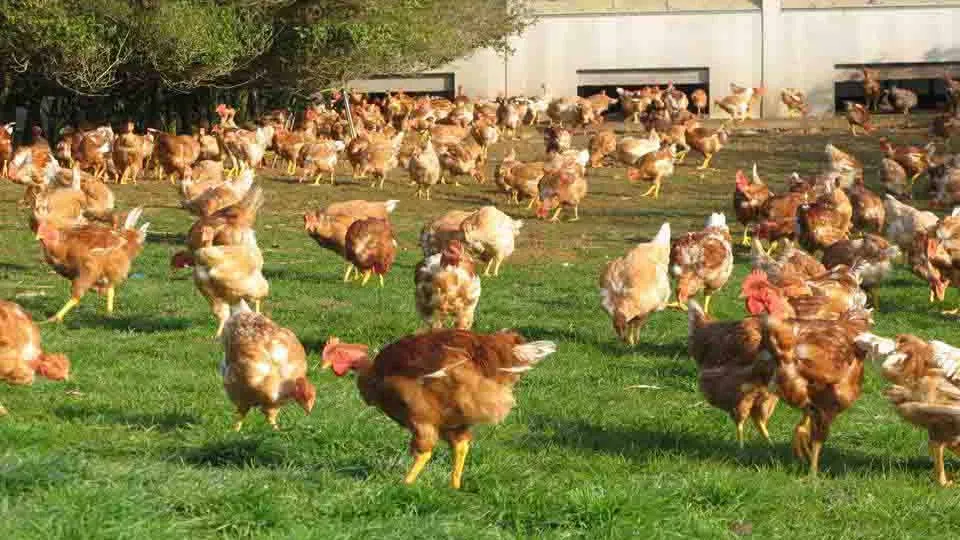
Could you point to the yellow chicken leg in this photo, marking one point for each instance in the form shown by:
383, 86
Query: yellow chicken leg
936, 452
419, 462
381, 280
366, 277
71, 303
762, 428
346, 276
111, 293
556, 215
460, 451
650, 191
486, 271
706, 163
816, 446
746, 237
740, 433
240, 415
256, 306
706, 303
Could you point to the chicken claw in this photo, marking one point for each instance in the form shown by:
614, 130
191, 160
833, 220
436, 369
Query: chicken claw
460, 450
746, 238
419, 462
936, 452
801, 440
58, 318
676, 305
951, 312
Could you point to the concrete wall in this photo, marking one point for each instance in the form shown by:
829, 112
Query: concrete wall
768, 44
813, 42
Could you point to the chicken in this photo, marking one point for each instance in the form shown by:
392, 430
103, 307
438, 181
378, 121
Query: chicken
702, 261
946, 127
600, 103
287, 146
869, 212
329, 231
795, 101
633, 103
91, 153
636, 285
209, 146
33, 166
264, 365
21, 357
734, 375
737, 105
602, 144
519, 179
706, 141
872, 255
230, 226
556, 139
915, 161
561, 188
826, 297
92, 256
904, 222
942, 252
6, 147
440, 384
490, 234
424, 167
380, 157
945, 185
572, 111
631, 150
130, 153
952, 87
463, 158
447, 285
175, 153
872, 90
361, 209
925, 389
654, 167
901, 99
675, 100
700, 101
220, 196
749, 198
509, 117
244, 147
370, 247
318, 158
858, 116
843, 166
826, 221
790, 270
894, 179
779, 217
819, 370
227, 275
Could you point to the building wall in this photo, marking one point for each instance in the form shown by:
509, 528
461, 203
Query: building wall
777, 43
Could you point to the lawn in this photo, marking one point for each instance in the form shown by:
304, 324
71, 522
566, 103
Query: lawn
138, 443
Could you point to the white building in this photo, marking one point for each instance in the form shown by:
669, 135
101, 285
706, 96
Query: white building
813, 45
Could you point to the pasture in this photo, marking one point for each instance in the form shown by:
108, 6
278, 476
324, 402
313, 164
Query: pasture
606, 441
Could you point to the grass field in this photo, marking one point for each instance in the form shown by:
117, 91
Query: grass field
138, 443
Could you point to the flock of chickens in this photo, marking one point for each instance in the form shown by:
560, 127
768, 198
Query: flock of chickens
805, 339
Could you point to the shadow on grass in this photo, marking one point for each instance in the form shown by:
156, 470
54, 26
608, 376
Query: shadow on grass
161, 421
12, 267
644, 443
147, 324
172, 239
240, 453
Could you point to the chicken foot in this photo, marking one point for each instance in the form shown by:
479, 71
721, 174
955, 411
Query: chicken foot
419, 462
706, 163
761, 426
460, 450
939, 469
71, 303
746, 237
801, 438
240, 415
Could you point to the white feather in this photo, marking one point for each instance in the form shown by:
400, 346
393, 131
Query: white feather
718, 220
391, 205
534, 352
239, 307
663, 236
947, 357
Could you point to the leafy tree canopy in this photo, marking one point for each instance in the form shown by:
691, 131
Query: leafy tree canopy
115, 47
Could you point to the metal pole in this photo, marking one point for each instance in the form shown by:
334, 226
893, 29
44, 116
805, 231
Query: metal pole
346, 104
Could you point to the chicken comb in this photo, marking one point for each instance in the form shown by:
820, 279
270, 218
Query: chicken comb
754, 278
742, 181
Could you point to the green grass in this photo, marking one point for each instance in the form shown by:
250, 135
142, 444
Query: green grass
137, 444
